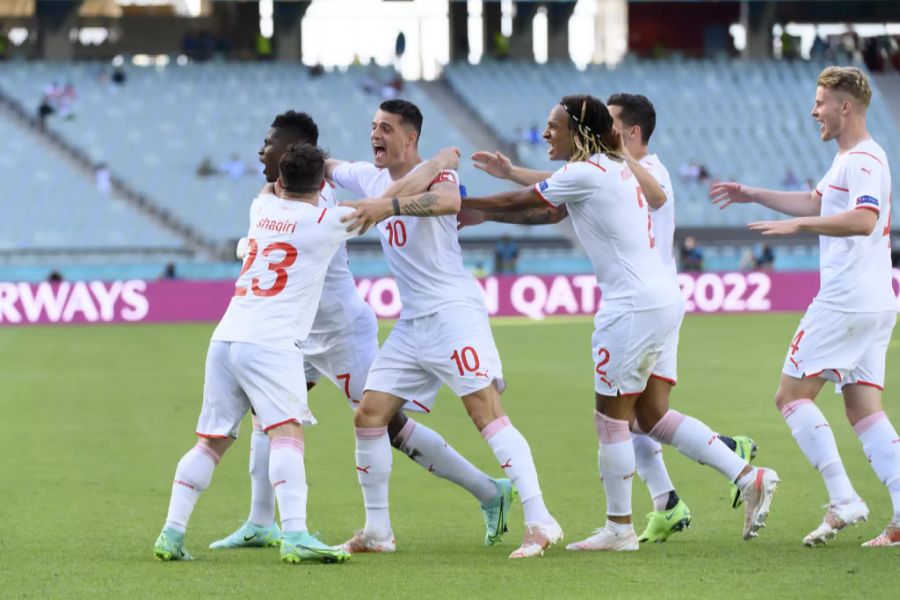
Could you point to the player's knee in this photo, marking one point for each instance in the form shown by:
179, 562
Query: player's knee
217, 446
398, 421
370, 414
286, 430
484, 407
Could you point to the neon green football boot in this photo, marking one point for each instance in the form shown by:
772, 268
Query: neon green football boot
662, 524
496, 512
746, 449
300, 546
249, 535
170, 546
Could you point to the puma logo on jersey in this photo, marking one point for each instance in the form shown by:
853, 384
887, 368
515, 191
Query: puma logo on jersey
865, 170
482, 374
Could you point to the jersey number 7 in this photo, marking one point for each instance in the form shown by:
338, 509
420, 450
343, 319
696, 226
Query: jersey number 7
280, 268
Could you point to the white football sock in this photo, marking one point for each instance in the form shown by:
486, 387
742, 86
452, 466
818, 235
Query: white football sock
192, 476
882, 448
373, 469
813, 434
514, 456
651, 469
287, 474
429, 450
262, 496
616, 460
697, 441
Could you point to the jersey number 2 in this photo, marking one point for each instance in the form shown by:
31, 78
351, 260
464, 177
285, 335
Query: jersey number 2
280, 268
640, 201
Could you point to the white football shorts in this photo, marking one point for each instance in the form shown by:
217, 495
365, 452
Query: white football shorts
842, 347
454, 347
631, 346
240, 376
343, 356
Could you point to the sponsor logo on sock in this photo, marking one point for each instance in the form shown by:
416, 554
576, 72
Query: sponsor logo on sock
821, 425
712, 439
364, 469
507, 464
277, 483
184, 483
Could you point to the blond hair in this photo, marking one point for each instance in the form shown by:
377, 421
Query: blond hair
591, 126
850, 80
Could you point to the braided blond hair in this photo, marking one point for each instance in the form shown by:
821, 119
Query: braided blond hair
589, 122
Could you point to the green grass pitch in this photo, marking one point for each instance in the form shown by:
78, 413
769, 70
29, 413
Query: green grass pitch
94, 420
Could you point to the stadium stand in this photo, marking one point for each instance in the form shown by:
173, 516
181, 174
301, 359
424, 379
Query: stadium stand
50, 204
744, 120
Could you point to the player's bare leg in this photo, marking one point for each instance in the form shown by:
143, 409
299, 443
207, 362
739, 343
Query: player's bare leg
287, 475
514, 455
882, 447
429, 450
373, 469
795, 400
696, 440
670, 513
616, 460
192, 476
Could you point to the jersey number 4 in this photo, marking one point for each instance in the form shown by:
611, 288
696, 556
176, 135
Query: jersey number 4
280, 268
640, 201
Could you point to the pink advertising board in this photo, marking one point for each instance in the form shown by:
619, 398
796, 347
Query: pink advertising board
535, 296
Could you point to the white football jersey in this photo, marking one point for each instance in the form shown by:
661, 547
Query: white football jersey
856, 271
422, 252
663, 218
277, 293
612, 222
340, 303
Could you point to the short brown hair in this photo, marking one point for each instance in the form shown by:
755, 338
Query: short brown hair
302, 167
847, 79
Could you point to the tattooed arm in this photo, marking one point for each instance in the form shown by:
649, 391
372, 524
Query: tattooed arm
542, 215
441, 199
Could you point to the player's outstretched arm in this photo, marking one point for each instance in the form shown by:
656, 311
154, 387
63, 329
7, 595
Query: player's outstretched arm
541, 215
330, 165
846, 224
505, 202
442, 199
653, 193
419, 180
498, 165
795, 204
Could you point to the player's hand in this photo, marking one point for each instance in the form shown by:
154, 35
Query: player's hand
467, 217
620, 147
726, 193
368, 212
493, 163
786, 227
448, 158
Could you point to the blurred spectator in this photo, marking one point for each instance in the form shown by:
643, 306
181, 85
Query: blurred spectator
819, 48
369, 81
119, 76
55, 277
44, 111
691, 255
169, 272
67, 98
233, 167
506, 256
763, 258
393, 88
534, 135
317, 70
479, 270
206, 168
102, 178
4, 44
790, 181
689, 171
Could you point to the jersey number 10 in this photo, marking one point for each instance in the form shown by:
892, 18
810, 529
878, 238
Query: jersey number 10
280, 268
